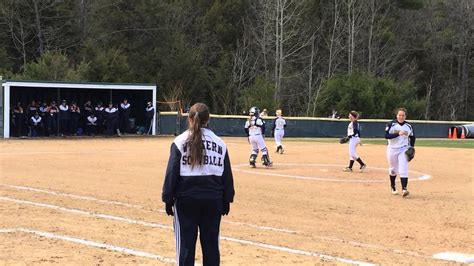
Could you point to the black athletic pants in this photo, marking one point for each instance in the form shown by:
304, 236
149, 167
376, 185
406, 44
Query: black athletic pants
191, 215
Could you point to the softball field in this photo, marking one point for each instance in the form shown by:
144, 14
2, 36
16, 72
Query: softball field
98, 201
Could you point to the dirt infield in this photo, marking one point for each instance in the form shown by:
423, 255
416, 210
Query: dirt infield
98, 201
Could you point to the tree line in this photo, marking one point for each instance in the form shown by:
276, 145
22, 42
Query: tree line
307, 57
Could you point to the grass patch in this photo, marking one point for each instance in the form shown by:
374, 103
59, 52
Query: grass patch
442, 143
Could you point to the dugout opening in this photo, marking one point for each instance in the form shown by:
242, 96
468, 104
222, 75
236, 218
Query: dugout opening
25, 92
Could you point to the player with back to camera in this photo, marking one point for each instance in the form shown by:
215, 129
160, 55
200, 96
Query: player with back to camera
401, 137
353, 133
198, 188
255, 129
278, 131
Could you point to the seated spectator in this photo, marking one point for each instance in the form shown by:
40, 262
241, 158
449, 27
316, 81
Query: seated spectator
36, 123
91, 125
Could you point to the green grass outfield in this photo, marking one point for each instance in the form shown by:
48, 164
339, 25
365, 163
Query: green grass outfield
443, 143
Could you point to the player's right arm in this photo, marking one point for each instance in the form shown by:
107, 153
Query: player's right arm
246, 128
172, 175
389, 135
228, 180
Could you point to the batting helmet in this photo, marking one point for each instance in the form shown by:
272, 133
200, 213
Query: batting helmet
254, 111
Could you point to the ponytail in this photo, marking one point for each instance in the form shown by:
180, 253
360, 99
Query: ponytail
197, 119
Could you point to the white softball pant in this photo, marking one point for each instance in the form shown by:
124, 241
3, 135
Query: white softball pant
258, 143
397, 160
279, 134
353, 142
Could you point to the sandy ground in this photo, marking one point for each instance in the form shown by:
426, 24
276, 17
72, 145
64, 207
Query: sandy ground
98, 201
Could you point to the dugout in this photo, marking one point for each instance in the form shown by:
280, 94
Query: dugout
13, 91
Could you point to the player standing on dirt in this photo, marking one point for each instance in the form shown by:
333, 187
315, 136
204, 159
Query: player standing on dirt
199, 187
353, 133
401, 138
278, 131
255, 129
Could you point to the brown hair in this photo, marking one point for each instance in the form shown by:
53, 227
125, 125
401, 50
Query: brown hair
400, 109
354, 114
198, 118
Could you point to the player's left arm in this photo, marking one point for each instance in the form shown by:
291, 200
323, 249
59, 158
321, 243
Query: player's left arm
274, 126
412, 137
355, 128
262, 126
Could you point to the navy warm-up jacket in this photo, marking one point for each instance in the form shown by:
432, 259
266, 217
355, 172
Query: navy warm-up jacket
211, 180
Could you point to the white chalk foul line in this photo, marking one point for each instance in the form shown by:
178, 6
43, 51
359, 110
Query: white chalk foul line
329, 179
73, 196
155, 225
295, 251
132, 206
455, 256
86, 213
61, 152
91, 243
332, 239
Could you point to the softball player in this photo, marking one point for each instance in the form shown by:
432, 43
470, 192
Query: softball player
278, 131
400, 136
198, 188
353, 133
255, 129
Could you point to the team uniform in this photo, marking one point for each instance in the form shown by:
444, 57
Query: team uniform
100, 114
36, 124
53, 111
91, 124
255, 129
112, 117
64, 117
397, 146
353, 133
149, 115
124, 117
279, 132
198, 195
75, 116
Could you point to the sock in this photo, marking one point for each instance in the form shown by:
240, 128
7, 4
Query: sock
359, 160
392, 181
404, 181
351, 163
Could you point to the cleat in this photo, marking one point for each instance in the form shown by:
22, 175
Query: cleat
347, 169
281, 150
253, 160
362, 168
394, 192
405, 193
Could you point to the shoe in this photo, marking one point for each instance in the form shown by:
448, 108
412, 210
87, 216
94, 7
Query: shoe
253, 165
405, 193
362, 168
394, 191
281, 150
347, 169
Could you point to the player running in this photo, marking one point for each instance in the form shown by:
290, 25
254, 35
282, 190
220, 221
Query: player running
255, 129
